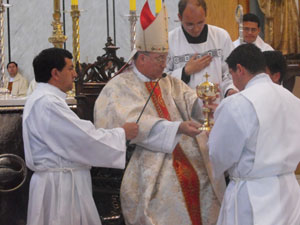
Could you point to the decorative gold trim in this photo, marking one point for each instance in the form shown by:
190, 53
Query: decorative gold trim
58, 38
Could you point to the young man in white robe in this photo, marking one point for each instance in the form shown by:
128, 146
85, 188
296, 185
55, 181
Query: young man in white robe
60, 148
196, 48
168, 179
276, 66
255, 139
251, 29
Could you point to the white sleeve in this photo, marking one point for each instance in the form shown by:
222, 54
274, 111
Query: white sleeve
78, 140
163, 137
170, 67
235, 121
226, 77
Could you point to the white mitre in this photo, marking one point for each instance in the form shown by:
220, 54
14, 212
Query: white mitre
152, 32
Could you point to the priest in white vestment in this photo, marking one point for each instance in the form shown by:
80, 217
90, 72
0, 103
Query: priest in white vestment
15, 82
256, 140
168, 179
60, 148
251, 29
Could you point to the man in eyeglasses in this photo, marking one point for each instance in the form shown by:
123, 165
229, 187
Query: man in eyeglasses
168, 179
196, 48
251, 29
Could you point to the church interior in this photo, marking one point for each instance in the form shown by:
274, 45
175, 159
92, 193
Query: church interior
101, 35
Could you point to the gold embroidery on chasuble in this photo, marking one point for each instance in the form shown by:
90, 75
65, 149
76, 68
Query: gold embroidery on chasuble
185, 172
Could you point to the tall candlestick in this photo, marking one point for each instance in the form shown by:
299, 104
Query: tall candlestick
74, 2
157, 6
75, 13
2, 44
58, 37
132, 20
132, 5
56, 6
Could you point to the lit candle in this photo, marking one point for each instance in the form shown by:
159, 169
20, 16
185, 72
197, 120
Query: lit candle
74, 2
157, 6
132, 5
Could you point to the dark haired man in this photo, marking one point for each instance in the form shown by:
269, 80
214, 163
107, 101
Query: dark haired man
15, 82
258, 148
61, 148
251, 29
276, 66
196, 48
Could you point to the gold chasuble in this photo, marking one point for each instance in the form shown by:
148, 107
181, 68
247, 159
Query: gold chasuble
185, 172
161, 186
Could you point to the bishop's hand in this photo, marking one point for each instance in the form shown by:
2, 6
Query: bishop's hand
189, 128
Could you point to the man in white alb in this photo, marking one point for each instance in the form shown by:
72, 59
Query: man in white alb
61, 148
196, 48
255, 139
251, 29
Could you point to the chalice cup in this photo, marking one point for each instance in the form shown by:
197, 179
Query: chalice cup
208, 92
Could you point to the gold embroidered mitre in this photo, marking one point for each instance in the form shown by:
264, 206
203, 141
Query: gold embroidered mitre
152, 32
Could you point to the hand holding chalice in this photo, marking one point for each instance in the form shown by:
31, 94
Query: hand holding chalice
208, 92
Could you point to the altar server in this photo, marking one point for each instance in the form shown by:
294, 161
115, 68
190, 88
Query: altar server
197, 48
61, 148
251, 29
256, 140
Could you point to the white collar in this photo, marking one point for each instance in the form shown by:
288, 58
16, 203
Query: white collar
52, 89
140, 75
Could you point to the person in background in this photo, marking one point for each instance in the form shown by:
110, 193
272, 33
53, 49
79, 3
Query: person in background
60, 148
197, 48
276, 66
15, 82
258, 148
251, 29
32, 86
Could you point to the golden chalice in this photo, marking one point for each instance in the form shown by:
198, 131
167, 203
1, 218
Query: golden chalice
207, 91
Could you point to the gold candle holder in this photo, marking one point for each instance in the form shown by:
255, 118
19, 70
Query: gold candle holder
58, 38
75, 14
2, 58
132, 20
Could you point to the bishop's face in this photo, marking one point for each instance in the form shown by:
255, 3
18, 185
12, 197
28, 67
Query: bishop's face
154, 64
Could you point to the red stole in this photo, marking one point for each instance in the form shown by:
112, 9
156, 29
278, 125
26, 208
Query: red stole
10, 84
185, 172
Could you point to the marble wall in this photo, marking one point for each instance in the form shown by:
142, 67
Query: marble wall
30, 28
